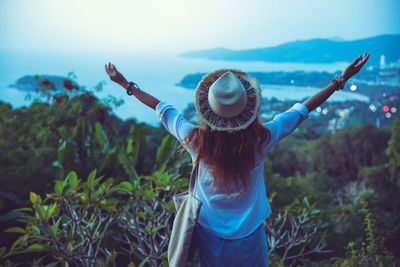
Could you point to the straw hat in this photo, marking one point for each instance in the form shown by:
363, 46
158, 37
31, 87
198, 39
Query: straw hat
228, 99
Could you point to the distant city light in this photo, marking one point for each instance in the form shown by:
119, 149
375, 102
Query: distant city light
386, 108
382, 64
319, 109
353, 87
393, 109
388, 115
324, 111
372, 107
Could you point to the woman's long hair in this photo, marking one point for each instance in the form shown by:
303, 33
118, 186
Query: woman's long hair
231, 154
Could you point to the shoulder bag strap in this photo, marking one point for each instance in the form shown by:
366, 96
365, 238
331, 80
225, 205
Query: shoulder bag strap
192, 182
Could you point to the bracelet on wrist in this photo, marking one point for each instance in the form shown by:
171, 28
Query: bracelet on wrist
339, 82
132, 86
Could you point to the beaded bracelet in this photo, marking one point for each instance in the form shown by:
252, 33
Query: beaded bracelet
339, 82
129, 89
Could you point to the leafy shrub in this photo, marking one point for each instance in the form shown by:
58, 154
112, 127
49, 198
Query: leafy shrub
98, 221
295, 232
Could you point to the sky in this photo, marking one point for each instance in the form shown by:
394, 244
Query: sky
186, 25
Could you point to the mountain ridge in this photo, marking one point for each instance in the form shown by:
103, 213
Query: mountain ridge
310, 51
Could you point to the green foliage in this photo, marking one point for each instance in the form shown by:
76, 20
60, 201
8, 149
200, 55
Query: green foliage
69, 132
337, 170
45, 141
166, 150
372, 252
295, 232
393, 153
342, 155
97, 221
288, 158
49, 147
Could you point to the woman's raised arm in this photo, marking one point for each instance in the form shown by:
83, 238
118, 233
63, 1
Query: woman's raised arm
320, 97
144, 97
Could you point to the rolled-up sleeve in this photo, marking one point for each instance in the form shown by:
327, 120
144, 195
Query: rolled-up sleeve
173, 121
285, 123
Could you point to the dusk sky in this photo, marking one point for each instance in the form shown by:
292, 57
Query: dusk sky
183, 25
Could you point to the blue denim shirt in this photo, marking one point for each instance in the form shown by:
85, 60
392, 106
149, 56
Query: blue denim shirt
235, 216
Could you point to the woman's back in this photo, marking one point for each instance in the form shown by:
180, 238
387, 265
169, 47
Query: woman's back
234, 213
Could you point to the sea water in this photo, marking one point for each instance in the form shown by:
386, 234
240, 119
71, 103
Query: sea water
156, 74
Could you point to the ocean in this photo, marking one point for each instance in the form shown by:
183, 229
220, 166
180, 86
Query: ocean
157, 74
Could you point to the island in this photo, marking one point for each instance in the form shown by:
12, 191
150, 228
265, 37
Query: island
32, 83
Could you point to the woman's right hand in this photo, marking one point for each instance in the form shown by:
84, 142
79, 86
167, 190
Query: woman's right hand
355, 67
115, 75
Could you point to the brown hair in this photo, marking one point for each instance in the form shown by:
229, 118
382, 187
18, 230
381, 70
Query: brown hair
231, 154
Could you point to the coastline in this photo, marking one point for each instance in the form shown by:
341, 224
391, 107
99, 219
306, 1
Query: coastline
297, 92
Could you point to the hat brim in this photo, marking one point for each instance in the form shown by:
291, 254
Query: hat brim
241, 121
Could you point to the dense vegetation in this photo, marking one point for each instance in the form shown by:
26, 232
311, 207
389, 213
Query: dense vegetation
81, 186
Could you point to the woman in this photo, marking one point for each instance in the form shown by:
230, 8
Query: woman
228, 146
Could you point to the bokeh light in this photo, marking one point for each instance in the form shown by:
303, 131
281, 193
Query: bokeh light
388, 115
372, 107
353, 87
324, 111
386, 108
393, 109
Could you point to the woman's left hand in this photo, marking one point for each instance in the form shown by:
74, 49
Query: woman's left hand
115, 75
355, 67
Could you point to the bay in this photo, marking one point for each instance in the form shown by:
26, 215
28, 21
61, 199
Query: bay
286, 92
155, 73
